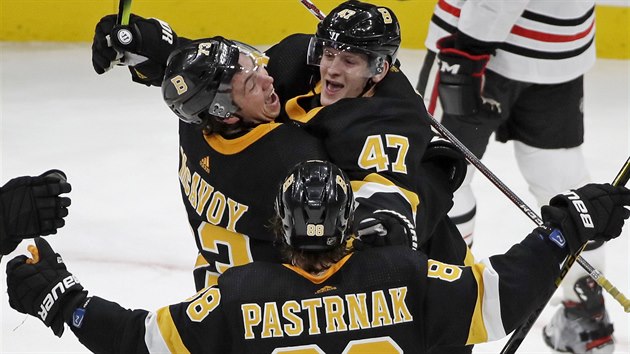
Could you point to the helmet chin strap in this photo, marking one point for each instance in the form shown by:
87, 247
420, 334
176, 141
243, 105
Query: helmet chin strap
368, 86
237, 127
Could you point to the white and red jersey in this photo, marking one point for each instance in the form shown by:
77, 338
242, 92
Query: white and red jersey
541, 41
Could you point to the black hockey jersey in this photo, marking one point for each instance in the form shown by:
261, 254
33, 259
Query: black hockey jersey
379, 141
229, 187
381, 300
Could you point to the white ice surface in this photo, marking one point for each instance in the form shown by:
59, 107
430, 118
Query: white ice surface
127, 238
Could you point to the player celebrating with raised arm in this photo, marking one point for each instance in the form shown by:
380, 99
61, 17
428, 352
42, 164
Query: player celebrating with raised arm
232, 153
326, 298
379, 138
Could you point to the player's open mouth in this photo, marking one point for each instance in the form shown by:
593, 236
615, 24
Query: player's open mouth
272, 98
333, 87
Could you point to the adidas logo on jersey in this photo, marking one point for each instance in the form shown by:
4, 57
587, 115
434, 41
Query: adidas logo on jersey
205, 164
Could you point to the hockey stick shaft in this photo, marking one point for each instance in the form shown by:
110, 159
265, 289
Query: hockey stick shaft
124, 12
313, 9
122, 19
521, 332
474, 160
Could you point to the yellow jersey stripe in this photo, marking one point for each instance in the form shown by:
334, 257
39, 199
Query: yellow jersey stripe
492, 303
297, 113
477, 332
234, 146
469, 259
155, 340
318, 279
375, 183
169, 332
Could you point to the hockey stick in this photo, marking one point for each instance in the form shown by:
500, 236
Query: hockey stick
474, 160
312, 8
122, 19
521, 332
124, 12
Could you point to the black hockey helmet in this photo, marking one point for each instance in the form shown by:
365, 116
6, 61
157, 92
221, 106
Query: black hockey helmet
316, 206
358, 27
198, 78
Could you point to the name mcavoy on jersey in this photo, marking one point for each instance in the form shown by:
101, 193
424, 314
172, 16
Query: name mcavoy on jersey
342, 313
201, 194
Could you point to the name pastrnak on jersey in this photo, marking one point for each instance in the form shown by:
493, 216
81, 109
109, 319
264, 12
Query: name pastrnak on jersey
229, 186
381, 300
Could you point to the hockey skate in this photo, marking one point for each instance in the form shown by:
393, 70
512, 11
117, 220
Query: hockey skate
581, 327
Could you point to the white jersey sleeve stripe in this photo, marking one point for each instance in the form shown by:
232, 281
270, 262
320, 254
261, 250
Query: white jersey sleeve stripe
486, 323
492, 303
161, 335
152, 336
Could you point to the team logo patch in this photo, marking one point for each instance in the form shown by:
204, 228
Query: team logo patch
124, 36
205, 164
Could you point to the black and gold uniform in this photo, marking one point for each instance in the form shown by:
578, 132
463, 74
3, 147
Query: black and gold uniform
379, 300
228, 187
379, 141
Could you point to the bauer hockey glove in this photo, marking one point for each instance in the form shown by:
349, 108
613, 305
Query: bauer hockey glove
32, 206
385, 228
43, 287
594, 212
144, 45
461, 79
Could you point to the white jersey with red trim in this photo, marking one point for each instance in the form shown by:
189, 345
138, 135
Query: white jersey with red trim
541, 41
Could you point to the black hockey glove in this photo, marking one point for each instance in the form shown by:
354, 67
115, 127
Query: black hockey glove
144, 45
593, 212
31, 206
385, 228
443, 154
43, 287
461, 80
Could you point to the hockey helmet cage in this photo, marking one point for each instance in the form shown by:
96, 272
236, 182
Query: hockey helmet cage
198, 78
316, 205
358, 27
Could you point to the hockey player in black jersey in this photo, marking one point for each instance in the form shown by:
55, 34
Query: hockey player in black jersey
232, 153
353, 95
379, 138
328, 298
